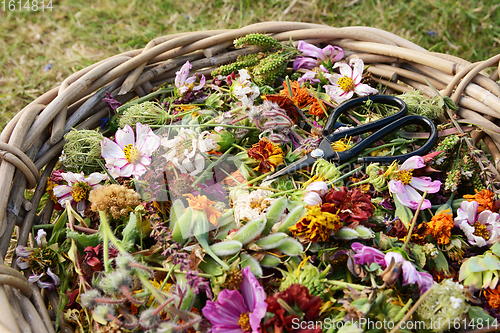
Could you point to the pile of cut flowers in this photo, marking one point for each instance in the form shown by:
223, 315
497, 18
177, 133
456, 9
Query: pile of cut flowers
168, 219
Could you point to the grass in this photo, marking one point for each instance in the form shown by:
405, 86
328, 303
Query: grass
76, 34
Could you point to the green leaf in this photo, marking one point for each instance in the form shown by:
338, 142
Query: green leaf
59, 227
477, 315
130, 232
496, 249
84, 240
449, 103
440, 262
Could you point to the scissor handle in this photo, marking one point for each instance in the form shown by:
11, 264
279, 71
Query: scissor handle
381, 99
426, 123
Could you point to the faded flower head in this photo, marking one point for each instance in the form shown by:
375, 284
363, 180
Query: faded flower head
243, 89
185, 84
269, 155
481, 229
115, 199
446, 302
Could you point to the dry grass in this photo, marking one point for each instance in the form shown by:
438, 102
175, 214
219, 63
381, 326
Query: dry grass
77, 33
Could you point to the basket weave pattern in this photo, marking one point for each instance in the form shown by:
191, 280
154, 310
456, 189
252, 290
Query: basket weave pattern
33, 140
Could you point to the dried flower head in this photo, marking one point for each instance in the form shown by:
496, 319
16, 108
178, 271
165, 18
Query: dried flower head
115, 199
485, 200
320, 221
440, 226
268, 155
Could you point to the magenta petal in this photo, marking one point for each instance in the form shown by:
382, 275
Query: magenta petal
305, 62
310, 50
256, 316
367, 255
425, 281
226, 310
403, 196
252, 291
410, 274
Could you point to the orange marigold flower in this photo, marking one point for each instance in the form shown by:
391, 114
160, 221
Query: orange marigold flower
485, 200
201, 202
493, 297
317, 108
268, 154
301, 96
236, 179
440, 226
317, 224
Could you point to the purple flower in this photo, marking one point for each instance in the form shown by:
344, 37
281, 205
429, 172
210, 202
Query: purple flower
113, 104
405, 186
327, 55
184, 84
367, 255
215, 189
237, 312
43, 284
410, 274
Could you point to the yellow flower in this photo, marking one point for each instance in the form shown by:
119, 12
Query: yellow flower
268, 154
317, 224
342, 144
50, 190
440, 226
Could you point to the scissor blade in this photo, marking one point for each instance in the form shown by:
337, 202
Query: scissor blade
304, 162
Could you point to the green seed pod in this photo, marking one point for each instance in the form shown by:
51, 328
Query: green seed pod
82, 150
274, 214
226, 248
146, 113
263, 41
247, 61
364, 232
291, 219
272, 241
291, 247
270, 260
248, 260
346, 234
249, 231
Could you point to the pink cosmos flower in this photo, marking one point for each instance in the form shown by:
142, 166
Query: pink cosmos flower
367, 255
410, 274
129, 156
405, 186
183, 83
314, 192
348, 82
78, 189
327, 55
481, 229
237, 312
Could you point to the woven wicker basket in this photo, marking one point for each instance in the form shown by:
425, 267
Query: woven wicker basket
32, 142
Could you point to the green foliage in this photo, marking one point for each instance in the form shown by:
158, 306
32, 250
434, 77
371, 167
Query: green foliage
82, 150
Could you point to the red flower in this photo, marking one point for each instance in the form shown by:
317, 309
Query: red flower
355, 206
94, 257
295, 296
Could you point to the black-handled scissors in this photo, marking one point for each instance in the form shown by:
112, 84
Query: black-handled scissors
382, 127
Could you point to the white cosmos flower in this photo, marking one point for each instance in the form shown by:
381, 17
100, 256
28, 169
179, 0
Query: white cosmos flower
243, 89
348, 82
78, 189
481, 229
130, 154
184, 150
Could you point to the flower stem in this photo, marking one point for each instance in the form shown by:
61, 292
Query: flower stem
413, 222
212, 165
343, 284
